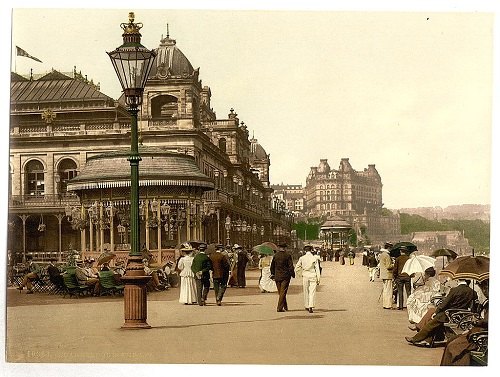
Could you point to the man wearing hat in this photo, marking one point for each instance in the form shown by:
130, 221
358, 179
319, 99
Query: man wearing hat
241, 266
220, 274
87, 276
385, 266
402, 278
233, 262
34, 271
282, 271
201, 267
308, 265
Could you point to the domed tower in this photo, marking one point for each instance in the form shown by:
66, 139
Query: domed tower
260, 161
174, 96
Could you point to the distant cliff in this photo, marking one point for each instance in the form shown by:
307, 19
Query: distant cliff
454, 212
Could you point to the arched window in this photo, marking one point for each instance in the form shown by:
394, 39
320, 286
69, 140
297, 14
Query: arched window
222, 144
66, 170
164, 106
35, 180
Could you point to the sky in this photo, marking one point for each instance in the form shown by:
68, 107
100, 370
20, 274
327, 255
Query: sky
409, 91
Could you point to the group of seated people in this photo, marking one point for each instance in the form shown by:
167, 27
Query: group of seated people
87, 273
427, 306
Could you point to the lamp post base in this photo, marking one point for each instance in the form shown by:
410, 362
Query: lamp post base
135, 295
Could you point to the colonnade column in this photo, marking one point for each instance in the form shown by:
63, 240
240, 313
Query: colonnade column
59, 219
24, 218
188, 220
146, 204
101, 228
112, 230
158, 230
83, 243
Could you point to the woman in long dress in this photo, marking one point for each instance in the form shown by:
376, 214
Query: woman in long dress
419, 301
187, 294
266, 284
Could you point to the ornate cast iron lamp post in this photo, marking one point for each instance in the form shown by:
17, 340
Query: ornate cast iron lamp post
132, 63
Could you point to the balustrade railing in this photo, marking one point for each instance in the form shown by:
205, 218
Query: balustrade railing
18, 201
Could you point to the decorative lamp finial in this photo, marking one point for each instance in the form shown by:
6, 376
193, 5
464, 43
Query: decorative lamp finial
131, 29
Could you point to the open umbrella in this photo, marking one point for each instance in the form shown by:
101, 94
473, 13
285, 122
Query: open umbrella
105, 257
271, 245
444, 253
418, 264
396, 249
468, 267
263, 249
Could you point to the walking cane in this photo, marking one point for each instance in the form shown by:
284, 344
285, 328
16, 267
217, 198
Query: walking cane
382, 291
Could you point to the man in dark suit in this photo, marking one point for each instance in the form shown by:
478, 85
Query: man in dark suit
459, 297
281, 272
201, 267
241, 266
55, 275
401, 278
220, 274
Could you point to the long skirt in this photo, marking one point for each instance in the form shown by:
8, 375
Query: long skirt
387, 294
266, 284
188, 290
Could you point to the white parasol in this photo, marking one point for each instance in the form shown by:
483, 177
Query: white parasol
418, 264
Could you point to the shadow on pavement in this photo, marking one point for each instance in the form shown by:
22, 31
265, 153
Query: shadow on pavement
233, 322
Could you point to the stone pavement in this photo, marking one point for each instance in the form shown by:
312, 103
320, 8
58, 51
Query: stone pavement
348, 327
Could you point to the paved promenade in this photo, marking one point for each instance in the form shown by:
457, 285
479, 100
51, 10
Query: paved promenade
348, 327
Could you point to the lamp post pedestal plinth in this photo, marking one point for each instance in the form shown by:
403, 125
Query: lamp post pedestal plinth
135, 295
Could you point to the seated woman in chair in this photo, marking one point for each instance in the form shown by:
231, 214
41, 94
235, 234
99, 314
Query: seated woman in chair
419, 301
457, 351
460, 297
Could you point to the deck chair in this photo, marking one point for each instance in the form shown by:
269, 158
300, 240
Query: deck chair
108, 284
72, 287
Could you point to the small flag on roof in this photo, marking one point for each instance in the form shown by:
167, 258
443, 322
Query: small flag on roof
21, 52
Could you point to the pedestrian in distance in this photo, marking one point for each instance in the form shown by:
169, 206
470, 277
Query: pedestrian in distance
220, 272
282, 271
350, 255
241, 266
372, 264
402, 279
187, 294
308, 267
233, 262
386, 266
266, 284
201, 267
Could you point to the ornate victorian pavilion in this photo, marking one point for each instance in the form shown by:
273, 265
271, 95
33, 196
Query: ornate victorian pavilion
200, 178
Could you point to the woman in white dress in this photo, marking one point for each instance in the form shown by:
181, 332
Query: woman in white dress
266, 284
187, 294
419, 301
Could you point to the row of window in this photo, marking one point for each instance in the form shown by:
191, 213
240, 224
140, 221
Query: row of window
35, 176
